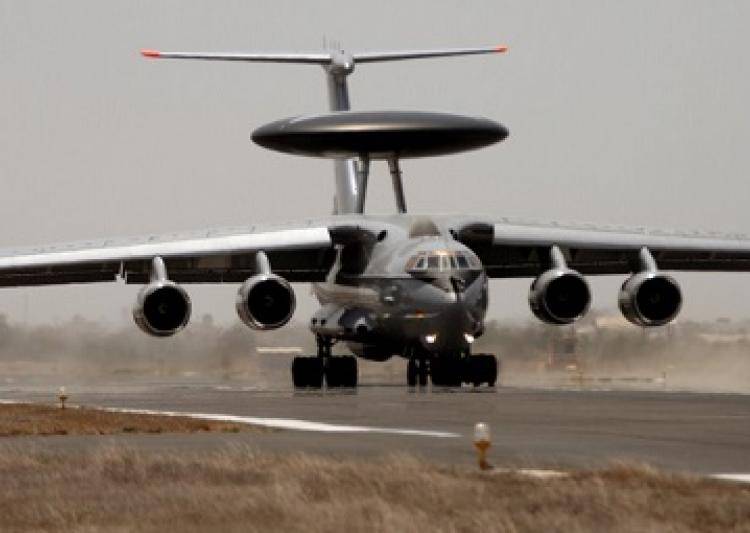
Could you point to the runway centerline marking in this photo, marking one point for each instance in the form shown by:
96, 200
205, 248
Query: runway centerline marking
292, 423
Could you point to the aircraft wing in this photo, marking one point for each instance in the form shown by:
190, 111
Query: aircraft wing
299, 252
513, 248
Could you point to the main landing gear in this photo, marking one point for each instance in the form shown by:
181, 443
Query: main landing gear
336, 371
447, 371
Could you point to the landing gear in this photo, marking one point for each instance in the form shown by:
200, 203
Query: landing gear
446, 371
341, 371
338, 371
411, 373
449, 370
480, 368
417, 371
307, 372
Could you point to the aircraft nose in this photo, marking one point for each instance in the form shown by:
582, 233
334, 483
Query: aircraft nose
449, 329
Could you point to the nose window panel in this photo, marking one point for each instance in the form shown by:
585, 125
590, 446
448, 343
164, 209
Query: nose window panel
441, 261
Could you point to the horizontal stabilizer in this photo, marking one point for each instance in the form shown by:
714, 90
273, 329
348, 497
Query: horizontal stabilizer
372, 57
323, 58
315, 58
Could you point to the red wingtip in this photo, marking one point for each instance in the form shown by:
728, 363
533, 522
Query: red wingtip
150, 53
501, 49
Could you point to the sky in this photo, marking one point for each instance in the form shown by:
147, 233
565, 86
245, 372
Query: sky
629, 113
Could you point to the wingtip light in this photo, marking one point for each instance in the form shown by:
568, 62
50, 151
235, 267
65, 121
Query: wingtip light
501, 49
150, 53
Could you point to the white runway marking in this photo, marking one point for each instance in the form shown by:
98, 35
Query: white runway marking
531, 472
291, 423
740, 478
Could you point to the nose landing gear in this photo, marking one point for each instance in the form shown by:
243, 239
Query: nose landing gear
417, 370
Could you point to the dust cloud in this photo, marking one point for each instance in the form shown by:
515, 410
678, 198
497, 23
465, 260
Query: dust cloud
603, 351
606, 352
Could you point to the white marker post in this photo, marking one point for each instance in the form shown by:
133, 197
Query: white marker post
63, 397
482, 444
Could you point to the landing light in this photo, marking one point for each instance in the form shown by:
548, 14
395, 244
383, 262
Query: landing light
430, 339
469, 337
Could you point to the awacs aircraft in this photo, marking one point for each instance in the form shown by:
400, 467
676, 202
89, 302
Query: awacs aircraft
406, 285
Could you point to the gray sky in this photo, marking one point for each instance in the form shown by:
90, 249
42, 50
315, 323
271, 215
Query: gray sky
619, 112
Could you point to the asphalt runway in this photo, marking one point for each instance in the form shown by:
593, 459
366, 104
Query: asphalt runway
701, 433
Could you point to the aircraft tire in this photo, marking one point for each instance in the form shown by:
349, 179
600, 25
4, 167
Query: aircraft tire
341, 372
412, 373
480, 368
424, 372
307, 372
446, 372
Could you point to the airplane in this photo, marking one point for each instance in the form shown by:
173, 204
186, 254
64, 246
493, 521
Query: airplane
408, 285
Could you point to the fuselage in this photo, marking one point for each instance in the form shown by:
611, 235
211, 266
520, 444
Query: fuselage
403, 289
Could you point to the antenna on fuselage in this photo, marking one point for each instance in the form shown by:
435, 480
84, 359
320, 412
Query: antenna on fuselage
351, 181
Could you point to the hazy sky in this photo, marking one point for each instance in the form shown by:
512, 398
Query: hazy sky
619, 112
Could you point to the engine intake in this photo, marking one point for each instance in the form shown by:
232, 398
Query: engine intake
162, 308
559, 296
650, 298
265, 301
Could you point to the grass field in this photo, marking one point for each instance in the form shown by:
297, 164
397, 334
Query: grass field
36, 419
238, 489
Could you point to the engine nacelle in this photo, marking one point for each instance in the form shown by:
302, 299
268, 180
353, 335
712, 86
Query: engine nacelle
559, 296
650, 298
265, 301
162, 308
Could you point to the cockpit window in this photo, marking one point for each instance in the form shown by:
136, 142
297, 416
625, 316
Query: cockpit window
441, 261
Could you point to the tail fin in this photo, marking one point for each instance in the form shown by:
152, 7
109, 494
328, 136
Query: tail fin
350, 188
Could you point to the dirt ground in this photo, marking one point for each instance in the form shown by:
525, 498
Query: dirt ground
36, 419
238, 489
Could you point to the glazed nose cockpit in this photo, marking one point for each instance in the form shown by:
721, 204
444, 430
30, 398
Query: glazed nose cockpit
441, 261
447, 269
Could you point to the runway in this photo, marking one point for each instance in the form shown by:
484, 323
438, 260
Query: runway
701, 433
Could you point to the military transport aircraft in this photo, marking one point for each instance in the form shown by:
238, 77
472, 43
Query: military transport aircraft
408, 285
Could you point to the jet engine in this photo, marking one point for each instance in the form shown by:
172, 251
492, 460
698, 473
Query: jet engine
162, 308
265, 301
650, 298
559, 296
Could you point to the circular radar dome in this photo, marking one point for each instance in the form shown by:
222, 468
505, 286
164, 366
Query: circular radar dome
379, 134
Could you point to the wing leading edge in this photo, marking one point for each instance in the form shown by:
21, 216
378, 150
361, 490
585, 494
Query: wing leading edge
515, 249
299, 253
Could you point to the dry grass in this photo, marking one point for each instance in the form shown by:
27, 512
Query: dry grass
240, 490
36, 419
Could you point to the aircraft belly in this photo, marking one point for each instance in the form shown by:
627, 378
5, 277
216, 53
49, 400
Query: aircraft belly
381, 316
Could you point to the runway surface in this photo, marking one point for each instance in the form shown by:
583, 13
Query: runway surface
702, 433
